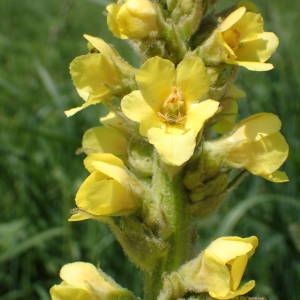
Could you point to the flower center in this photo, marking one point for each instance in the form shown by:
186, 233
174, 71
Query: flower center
232, 38
172, 110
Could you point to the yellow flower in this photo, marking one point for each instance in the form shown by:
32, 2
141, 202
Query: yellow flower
104, 140
219, 269
255, 144
82, 281
169, 106
132, 19
240, 39
97, 75
107, 191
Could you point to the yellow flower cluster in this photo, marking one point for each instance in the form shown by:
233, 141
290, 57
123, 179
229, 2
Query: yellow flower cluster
171, 119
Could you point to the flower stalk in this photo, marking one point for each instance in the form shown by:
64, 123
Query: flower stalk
166, 153
169, 198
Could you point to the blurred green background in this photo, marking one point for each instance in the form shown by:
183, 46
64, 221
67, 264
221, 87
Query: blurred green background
40, 171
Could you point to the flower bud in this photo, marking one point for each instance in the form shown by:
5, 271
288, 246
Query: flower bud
213, 187
134, 19
82, 281
187, 16
140, 158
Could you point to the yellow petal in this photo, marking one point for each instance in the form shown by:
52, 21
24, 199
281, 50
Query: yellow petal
216, 49
72, 111
108, 165
115, 172
277, 176
82, 281
80, 273
238, 266
104, 197
250, 6
214, 276
234, 253
253, 240
142, 8
65, 292
100, 44
151, 122
79, 216
113, 26
174, 149
259, 49
192, 79
255, 66
198, 113
227, 250
256, 126
92, 75
249, 26
267, 154
104, 139
231, 19
107, 50
155, 80
244, 289
136, 108
101, 157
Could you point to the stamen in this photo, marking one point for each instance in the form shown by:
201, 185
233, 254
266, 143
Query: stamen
173, 108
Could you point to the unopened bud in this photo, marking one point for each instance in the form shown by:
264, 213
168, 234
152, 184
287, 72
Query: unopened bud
134, 19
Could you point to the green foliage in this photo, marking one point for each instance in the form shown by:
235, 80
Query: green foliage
40, 171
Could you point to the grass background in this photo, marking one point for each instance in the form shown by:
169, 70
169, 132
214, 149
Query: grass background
40, 171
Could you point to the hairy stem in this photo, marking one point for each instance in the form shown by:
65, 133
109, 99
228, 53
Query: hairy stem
169, 197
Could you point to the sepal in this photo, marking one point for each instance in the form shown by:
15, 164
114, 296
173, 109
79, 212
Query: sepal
142, 247
140, 158
187, 16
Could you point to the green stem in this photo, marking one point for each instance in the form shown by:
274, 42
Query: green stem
152, 282
169, 197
